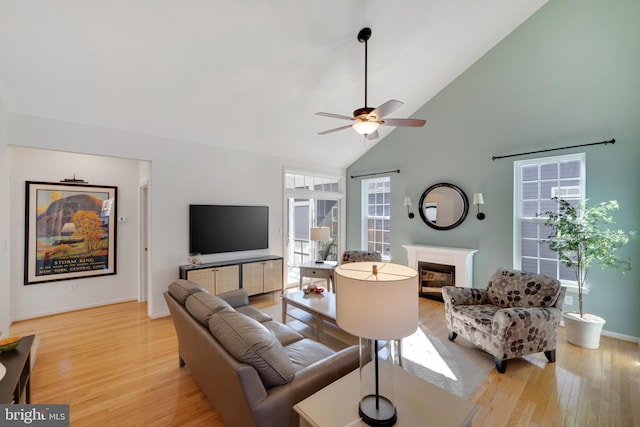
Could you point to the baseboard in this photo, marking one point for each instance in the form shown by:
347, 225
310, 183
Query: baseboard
621, 337
70, 309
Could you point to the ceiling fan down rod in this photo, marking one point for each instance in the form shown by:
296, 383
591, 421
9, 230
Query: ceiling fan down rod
363, 36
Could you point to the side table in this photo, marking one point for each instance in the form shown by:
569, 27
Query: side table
418, 403
15, 387
322, 270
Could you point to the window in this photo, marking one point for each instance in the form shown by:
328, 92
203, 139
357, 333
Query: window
536, 181
376, 215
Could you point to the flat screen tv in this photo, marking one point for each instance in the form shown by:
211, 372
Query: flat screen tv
219, 228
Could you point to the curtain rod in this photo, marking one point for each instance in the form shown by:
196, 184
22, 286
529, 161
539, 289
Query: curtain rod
611, 141
375, 173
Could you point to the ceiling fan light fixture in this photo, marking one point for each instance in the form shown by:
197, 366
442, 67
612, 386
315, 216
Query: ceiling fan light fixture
365, 128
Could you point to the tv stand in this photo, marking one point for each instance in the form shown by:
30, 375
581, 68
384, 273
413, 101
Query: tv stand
258, 275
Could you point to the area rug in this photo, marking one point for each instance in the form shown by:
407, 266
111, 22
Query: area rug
457, 367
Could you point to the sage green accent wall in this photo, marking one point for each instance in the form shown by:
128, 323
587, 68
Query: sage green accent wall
569, 75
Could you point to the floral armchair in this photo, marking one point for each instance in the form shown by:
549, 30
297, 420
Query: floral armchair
360, 256
517, 314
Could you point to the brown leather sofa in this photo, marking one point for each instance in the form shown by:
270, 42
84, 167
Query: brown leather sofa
252, 368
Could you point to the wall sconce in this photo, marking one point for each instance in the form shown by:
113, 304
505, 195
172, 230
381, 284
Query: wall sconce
407, 203
478, 200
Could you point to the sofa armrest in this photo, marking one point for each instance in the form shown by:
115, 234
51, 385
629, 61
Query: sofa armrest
308, 380
454, 295
235, 298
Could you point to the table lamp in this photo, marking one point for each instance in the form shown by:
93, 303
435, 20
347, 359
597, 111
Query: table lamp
319, 234
377, 302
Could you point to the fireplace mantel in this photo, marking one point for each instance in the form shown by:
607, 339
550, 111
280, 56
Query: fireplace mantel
460, 258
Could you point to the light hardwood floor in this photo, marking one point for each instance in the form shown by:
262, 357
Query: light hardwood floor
117, 367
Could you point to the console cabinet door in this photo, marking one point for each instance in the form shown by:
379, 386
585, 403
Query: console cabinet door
227, 278
272, 275
205, 277
252, 280
218, 279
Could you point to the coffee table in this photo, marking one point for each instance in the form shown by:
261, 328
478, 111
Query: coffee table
313, 309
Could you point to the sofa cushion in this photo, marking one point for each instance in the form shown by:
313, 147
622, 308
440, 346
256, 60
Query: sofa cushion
283, 333
250, 342
181, 289
201, 305
513, 288
305, 352
254, 313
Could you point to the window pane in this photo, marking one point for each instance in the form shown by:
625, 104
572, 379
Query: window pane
530, 191
529, 209
529, 265
549, 268
570, 169
549, 171
530, 248
529, 230
530, 173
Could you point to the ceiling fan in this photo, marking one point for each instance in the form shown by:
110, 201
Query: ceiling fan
366, 119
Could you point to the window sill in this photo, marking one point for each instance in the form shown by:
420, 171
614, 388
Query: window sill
572, 287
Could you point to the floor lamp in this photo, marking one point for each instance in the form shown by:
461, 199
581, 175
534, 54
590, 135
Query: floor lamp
377, 302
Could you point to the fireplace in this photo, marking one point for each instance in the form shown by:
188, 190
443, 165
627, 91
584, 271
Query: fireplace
445, 266
433, 277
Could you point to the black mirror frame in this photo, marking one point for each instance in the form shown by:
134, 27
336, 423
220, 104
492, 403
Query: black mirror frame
465, 202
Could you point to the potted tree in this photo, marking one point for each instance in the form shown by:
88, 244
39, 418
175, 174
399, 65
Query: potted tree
582, 239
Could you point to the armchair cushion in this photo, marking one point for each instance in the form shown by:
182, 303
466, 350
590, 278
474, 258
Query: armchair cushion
511, 288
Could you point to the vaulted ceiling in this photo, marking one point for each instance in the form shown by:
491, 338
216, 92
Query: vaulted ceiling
240, 74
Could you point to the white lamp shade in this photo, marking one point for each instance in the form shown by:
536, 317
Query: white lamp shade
366, 128
407, 201
478, 199
320, 234
382, 306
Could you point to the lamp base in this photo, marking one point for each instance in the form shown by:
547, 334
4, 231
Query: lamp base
319, 261
384, 415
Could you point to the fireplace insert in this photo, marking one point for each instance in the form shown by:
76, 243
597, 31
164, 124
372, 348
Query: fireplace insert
433, 277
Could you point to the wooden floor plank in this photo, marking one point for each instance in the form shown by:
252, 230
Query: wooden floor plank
114, 366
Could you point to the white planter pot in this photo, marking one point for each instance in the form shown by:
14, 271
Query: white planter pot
583, 331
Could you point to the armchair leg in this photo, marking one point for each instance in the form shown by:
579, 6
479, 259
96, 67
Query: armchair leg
551, 355
452, 335
501, 365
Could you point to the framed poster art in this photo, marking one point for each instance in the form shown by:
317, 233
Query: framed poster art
70, 231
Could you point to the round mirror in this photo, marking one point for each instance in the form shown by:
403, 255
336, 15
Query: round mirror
443, 206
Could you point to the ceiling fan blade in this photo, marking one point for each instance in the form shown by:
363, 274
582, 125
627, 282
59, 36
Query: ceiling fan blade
335, 116
334, 130
387, 108
373, 135
414, 123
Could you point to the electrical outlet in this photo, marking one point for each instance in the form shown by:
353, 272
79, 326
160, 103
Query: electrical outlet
72, 287
568, 300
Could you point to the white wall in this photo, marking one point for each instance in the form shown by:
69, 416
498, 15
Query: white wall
181, 173
5, 226
29, 164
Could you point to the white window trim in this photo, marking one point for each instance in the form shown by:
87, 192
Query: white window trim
571, 285
364, 230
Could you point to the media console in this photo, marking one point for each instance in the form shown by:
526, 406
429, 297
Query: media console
257, 275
